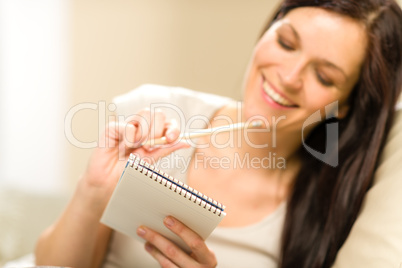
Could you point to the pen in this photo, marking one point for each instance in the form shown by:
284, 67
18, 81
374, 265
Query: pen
206, 132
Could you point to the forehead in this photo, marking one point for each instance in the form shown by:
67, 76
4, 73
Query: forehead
329, 36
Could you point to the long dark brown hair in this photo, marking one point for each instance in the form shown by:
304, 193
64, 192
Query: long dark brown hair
325, 200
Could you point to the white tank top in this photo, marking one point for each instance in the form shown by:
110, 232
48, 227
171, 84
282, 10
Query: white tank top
256, 245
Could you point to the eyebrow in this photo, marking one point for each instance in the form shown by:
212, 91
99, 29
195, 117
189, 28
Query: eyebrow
323, 61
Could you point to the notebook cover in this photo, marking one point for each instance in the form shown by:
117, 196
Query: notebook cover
140, 199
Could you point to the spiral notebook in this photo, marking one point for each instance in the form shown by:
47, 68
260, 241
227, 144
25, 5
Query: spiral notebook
146, 195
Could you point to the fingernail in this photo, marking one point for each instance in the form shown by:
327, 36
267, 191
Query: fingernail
169, 221
170, 136
141, 231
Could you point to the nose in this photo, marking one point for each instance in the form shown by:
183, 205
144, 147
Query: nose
290, 75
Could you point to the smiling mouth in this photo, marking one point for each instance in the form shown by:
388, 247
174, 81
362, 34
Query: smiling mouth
278, 99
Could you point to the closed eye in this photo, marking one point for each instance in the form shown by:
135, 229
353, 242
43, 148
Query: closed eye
324, 81
285, 45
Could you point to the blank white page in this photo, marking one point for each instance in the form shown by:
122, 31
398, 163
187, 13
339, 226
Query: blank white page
141, 200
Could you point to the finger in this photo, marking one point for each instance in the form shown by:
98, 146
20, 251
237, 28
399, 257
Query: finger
116, 133
111, 135
121, 134
199, 249
158, 124
126, 133
163, 261
164, 150
172, 131
144, 127
166, 247
141, 127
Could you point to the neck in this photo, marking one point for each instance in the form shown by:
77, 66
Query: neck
261, 143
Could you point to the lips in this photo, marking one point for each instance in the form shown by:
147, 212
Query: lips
276, 97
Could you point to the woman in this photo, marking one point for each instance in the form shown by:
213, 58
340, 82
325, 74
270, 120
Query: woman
341, 58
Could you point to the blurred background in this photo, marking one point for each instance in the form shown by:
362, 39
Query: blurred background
60, 55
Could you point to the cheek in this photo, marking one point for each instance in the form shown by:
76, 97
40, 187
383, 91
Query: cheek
323, 99
267, 51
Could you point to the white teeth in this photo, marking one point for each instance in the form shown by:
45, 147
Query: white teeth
275, 96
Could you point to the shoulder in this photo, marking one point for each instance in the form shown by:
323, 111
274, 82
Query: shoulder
157, 96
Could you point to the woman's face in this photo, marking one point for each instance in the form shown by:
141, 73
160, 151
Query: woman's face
304, 62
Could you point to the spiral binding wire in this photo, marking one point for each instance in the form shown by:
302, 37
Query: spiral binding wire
175, 185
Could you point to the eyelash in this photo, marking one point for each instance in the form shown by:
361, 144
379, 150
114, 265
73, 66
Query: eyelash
283, 45
323, 81
319, 77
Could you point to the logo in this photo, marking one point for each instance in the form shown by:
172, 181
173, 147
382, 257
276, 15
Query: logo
330, 156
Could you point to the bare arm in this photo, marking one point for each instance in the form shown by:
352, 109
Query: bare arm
72, 240
102, 245
78, 239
